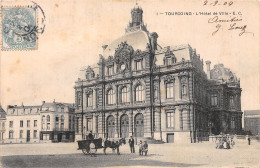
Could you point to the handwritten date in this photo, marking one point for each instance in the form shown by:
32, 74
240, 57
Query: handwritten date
214, 3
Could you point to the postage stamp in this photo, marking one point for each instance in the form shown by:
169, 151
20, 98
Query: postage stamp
19, 28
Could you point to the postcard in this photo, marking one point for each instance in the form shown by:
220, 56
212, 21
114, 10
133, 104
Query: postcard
113, 83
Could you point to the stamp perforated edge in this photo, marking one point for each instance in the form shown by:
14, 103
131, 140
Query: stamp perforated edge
1, 36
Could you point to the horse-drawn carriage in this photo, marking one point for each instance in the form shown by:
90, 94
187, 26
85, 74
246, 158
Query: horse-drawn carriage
84, 145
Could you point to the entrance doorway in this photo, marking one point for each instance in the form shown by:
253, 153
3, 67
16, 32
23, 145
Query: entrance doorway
124, 125
139, 125
170, 138
59, 137
110, 126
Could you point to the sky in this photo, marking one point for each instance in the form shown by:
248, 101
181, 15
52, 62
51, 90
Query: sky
76, 30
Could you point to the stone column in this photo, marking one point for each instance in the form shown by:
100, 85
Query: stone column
181, 120
186, 119
131, 124
117, 126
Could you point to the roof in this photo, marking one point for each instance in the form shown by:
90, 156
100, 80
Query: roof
252, 112
137, 39
179, 51
219, 72
2, 112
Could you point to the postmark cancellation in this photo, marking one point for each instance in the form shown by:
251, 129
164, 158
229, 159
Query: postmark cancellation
19, 28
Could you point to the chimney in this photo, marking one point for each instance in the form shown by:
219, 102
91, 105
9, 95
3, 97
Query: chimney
208, 68
43, 102
104, 47
154, 37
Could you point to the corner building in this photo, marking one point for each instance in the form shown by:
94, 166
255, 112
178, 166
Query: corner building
140, 89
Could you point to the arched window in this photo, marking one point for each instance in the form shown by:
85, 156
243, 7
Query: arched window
124, 95
170, 90
110, 95
139, 93
43, 118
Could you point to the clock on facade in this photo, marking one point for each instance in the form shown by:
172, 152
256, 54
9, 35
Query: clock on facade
123, 67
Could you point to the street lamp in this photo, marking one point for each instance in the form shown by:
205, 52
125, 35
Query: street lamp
82, 114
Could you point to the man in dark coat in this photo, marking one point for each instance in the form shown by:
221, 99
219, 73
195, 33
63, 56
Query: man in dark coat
106, 145
90, 136
132, 144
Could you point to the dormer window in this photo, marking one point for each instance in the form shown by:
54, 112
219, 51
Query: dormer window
109, 70
88, 76
168, 60
138, 65
169, 57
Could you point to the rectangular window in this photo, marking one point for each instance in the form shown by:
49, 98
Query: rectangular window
35, 123
169, 90
170, 119
21, 134
110, 96
43, 126
138, 65
233, 125
48, 126
62, 126
124, 95
89, 124
77, 125
35, 134
11, 134
21, 123
89, 100
110, 71
11, 124
214, 99
231, 100
79, 98
28, 123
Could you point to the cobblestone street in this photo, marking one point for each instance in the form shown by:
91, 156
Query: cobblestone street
160, 155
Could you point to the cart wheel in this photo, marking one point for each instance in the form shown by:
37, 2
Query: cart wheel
85, 151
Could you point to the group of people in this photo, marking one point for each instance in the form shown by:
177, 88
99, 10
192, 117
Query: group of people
225, 142
143, 147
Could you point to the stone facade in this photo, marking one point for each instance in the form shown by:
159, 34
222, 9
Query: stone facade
252, 121
143, 90
49, 122
2, 124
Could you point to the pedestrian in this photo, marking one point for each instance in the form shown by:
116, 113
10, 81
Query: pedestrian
106, 145
117, 147
248, 139
132, 144
90, 136
145, 148
92, 149
140, 148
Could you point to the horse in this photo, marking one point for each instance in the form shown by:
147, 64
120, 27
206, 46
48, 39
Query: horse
114, 145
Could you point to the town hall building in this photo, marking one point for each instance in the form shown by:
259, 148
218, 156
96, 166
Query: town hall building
140, 89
